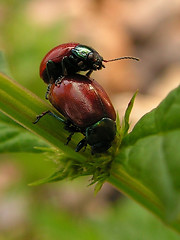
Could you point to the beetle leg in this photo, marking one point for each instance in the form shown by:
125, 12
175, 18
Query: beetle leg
63, 63
38, 117
50, 113
72, 58
85, 146
70, 127
57, 117
81, 144
50, 68
89, 73
47, 91
69, 138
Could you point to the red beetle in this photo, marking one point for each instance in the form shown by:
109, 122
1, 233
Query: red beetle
70, 58
87, 109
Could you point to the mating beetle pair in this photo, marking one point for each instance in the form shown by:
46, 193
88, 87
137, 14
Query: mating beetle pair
80, 99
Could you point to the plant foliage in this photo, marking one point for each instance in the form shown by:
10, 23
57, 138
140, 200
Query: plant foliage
144, 164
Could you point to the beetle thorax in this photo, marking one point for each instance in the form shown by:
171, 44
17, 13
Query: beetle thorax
87, 58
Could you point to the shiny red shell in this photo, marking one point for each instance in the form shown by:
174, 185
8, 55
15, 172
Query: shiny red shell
81, 100
56, 54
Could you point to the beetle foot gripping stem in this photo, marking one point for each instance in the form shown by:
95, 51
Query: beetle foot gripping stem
81, 144
38, 117
69, 138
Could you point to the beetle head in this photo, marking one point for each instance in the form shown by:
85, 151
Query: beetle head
95, 60
89, 58
101, 134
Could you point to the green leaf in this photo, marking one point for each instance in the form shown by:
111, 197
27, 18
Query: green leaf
17, 139
125, 124
98, 187
57, 176
148, 164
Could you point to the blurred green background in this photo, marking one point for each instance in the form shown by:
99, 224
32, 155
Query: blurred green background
28, 30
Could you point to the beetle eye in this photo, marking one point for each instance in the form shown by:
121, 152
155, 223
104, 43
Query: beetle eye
90, 56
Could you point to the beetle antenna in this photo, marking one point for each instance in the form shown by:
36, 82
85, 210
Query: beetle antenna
115, 59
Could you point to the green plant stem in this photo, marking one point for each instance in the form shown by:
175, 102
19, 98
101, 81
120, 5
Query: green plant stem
23, 106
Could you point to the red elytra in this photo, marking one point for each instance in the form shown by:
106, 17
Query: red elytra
56, 54
81, 100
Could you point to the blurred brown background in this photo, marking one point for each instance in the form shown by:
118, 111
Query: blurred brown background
149, 30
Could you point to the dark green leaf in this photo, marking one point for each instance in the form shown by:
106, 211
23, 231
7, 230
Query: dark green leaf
17, 139
150, 156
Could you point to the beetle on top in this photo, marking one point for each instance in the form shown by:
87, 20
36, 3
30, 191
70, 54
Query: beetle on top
70, 58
